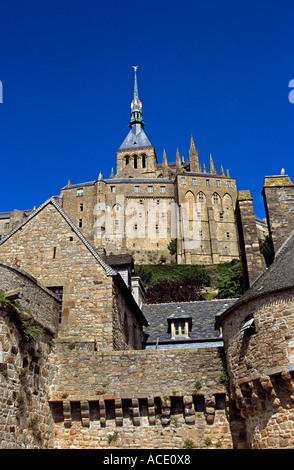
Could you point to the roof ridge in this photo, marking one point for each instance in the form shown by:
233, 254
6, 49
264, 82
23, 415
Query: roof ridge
192, 301
109, 271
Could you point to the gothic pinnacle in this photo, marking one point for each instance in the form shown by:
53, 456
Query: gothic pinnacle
193, 156
164, 158
211, 165
178, 159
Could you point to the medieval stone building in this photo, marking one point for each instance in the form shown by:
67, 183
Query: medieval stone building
86, 364
144, 205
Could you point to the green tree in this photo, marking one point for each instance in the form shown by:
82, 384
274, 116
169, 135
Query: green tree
229, 279
175, 291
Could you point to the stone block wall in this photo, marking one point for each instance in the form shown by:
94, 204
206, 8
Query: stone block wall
25, 417
49, 249
278, 196
141, 399
33, 296
261, 368
249, 244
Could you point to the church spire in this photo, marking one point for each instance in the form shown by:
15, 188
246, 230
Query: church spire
136, 105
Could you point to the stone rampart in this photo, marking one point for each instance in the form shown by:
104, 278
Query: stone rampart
26, 332
141, 399
258, 338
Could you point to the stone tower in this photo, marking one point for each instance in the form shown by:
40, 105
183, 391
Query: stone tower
136, 156
278, 198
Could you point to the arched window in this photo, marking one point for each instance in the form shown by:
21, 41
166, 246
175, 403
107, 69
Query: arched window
215, 198
135, 161
200, 197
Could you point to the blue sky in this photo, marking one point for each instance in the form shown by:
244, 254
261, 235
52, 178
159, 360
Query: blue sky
218, 70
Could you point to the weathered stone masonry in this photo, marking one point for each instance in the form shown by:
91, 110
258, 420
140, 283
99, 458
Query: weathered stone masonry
25, 418
261, 368
144, 398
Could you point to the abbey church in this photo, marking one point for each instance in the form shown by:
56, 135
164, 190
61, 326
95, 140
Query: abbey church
85, 363
145, 205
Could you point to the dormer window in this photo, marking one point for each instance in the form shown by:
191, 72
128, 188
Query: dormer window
179, 326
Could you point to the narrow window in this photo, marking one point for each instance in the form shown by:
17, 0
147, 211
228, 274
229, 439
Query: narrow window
127, 160
80, 223
207, 182
80, 192
137, 189
229, 184
150, 189
135, 161
183, 181
112, 189
54, 252
81, 207
162, 189
194, 181
215, 198
143, 161
200, 234
221, 216
218, 183
201, 197
59, 292
228, 235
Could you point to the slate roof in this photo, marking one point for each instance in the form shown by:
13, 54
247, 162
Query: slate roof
201, 314
136, 138
278, 276
7, 214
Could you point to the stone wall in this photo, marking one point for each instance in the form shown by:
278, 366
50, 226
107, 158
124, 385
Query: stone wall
249, 244
141, 399
25, 417
33, 296
141, 216
278, 196
260, 364
51, 251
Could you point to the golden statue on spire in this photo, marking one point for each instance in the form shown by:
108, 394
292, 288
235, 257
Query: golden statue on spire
135, 67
